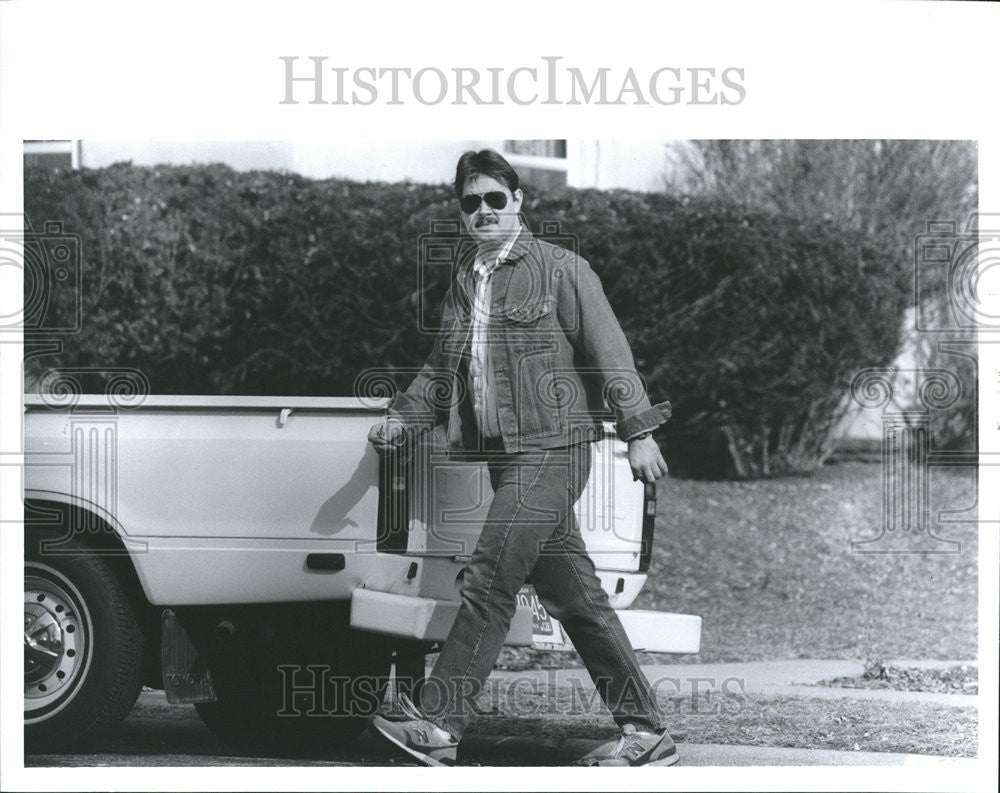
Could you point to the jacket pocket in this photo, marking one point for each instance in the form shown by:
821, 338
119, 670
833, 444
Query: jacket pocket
527, 314
528, 327
538, 393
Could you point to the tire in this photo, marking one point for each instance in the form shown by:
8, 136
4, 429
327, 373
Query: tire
339, 677
83, 646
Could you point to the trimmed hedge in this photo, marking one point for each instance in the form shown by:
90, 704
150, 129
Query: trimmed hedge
214, 281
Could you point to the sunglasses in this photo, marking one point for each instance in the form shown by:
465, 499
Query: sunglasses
471, 202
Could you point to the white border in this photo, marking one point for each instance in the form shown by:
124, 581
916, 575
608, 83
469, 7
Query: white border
194, 70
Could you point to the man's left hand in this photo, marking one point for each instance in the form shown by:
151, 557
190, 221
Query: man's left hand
646, 461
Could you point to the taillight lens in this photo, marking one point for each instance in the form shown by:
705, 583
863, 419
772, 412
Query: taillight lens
393, 503
648, 526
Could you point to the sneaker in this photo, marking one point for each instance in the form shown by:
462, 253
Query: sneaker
412, 732
634, 748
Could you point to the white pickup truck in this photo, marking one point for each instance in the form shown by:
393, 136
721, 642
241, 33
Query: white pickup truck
255, 556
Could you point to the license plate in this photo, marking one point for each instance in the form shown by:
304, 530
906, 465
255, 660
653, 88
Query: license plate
540, 619
546, 632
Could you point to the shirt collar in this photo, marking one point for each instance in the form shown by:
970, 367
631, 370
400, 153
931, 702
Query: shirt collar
519, 244
482, 266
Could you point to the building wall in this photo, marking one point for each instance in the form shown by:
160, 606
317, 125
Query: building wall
635, 165
430, 162
866, 423
242, 155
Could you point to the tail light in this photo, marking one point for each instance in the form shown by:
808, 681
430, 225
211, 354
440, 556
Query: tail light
393, 503
648, 527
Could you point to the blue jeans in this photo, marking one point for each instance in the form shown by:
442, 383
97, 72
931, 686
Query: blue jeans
531, 530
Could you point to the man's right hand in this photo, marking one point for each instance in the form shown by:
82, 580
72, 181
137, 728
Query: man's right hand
387, 435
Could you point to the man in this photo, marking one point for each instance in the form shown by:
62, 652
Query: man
532, 354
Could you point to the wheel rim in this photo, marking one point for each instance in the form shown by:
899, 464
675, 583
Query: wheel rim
58, 641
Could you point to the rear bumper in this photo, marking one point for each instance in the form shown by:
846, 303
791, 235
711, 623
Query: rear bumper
421, 618
648, 631
430, 620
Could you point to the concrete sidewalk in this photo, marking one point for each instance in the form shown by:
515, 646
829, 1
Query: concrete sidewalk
795, 677
534, 747
160, 734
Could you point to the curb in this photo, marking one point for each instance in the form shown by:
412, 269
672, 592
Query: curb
513, 747
880, 694
708, 754
566, 751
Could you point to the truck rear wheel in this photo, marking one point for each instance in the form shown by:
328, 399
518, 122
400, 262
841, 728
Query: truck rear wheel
82, 646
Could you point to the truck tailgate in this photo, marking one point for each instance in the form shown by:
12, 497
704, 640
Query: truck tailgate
429, 620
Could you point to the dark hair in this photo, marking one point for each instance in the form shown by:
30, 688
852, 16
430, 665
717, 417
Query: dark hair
484, 163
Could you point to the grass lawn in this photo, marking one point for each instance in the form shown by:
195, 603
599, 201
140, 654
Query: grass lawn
763, 720
770, 568
959, 679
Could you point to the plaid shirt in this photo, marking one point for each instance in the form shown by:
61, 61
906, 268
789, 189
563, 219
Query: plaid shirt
481, 382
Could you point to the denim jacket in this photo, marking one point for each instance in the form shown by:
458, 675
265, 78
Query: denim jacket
559, 357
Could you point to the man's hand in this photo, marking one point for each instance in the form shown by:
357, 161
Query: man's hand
646, 461
387, 435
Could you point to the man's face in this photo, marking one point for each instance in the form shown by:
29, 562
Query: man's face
488, 222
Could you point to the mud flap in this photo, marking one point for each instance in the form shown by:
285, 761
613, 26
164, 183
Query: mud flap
186, 676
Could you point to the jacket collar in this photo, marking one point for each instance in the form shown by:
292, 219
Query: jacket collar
517, 250
520, 246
